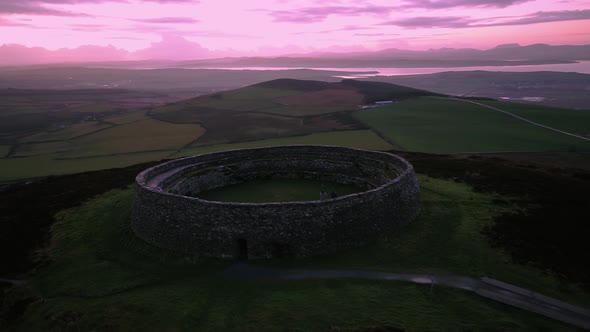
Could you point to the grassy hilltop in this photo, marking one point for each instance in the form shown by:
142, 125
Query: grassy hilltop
93, 274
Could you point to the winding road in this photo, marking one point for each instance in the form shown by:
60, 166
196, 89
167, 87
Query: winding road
13, 282
523, 119
486, 287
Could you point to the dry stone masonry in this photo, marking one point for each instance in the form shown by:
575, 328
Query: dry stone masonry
166, 213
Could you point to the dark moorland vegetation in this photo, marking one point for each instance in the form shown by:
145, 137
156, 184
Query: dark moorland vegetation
551, 230
28, 210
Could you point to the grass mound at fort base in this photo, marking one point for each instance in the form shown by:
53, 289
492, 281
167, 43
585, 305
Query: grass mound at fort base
99, 276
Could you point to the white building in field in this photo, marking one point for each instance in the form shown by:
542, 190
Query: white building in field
377, 104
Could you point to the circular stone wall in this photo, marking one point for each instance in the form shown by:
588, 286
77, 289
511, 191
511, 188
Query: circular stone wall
165, 214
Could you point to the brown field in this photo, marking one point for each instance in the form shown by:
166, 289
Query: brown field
145, 135
244, 126
70, 132
328, 97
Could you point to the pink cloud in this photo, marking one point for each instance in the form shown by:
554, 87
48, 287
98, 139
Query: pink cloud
464, 22
318, 14
19, 55
167, 20
174, 47
438, 4
45, 7
211, 27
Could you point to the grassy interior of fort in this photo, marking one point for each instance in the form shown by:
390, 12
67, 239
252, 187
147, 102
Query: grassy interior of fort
278, 190
97, 275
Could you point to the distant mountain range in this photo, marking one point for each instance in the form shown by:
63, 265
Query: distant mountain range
502, 55
512, 52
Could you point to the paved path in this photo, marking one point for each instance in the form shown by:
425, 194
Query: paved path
523, 119
486, 287
13, 282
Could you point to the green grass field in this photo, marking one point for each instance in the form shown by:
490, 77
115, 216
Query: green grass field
34, 149
315, 114
573, 121
127, 118
31, 167
55, 163
445, 126
277, 190
237, 104
99, 276
67, 133
257, 93
362, 139
293, 110
4, 149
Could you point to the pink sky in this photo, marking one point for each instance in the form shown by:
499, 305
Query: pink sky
210, 28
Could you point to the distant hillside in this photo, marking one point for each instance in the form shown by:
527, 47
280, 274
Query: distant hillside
501, 52
372, 91
168, 79
279, 108
375, 91
569, 90
296, 85
57, 132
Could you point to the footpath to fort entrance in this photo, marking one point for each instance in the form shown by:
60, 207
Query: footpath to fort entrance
487, 287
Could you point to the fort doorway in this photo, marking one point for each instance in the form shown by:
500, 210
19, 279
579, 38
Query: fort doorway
279, 250
241, 249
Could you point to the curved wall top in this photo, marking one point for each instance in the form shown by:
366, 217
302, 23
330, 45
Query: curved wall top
166, 214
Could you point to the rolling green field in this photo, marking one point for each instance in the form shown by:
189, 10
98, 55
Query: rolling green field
257, 93
277, 190
362, 139
34, 149
67, 133
30, 112
445, 126
145, 135
46, 165
134, 137
573, 121
294, 110
239, 105
99, 276
266, 114
127, 118
54, 163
